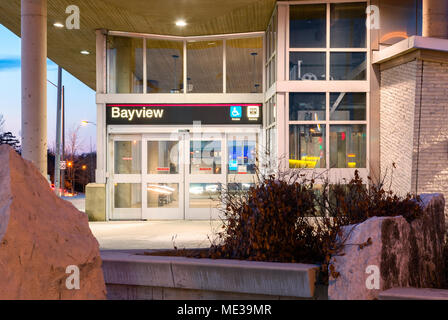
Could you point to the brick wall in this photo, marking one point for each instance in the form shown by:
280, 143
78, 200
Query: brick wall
397, 109
414, 127
430, 156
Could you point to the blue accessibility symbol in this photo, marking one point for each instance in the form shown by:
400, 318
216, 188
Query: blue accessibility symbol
236, 112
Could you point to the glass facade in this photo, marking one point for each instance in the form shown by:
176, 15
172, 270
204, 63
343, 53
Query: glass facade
327, 44
154, 66
164, 66
204, 66
124, 65
307, 146
244, 59
348, 146
163, 157
205, 157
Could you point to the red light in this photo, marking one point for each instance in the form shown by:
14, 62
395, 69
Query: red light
343, 136
321, 140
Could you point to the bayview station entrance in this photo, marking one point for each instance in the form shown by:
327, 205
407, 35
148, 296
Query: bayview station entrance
178, 169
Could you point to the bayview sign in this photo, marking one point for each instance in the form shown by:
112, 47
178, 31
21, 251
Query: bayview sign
216, 114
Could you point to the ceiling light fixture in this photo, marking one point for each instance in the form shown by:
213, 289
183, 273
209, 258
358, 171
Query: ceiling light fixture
181, 23
58, 25
85, 52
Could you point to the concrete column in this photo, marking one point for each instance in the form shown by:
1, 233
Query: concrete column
435, 18
34, 82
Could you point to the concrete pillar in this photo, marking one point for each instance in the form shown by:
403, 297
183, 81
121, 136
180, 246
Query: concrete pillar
435, 18
34, 82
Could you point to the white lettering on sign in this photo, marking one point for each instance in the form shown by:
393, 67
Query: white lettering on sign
130, 114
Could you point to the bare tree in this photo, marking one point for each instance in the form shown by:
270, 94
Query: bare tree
73, 145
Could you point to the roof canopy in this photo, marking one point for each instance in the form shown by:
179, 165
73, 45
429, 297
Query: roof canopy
204, 17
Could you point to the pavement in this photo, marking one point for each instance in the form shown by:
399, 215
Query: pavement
133, 235
147, 235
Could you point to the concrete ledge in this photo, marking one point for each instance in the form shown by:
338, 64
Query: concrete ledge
408, 45
414, 294
230, 276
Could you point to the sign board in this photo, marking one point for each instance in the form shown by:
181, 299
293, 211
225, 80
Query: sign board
216, 114
63, 165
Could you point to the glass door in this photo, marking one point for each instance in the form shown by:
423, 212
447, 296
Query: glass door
163, 176
242, 160
126, 176
204, 174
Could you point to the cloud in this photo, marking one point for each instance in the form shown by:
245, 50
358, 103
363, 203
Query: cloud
9, 63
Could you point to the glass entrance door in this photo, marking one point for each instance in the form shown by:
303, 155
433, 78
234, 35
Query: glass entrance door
163, 176
205, 175
168, 176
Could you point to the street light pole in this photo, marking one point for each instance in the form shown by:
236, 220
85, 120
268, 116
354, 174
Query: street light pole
57, 165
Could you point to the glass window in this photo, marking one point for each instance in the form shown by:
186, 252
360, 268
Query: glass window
348, 106
307, 66
128, 195
124, 65
163, 157
205, 66
348, 66
235, 188
244, 63
348, 25
307, 26
307, 106
348, 146
242, 154
205, 157
399, 20
128, 157
307, 146
164, 65
163, 195
204, 195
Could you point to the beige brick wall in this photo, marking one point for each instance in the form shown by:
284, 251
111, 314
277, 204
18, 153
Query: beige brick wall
414, 128
397, 109
431, 130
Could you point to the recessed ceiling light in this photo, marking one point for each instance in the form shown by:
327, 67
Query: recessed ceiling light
85, 52
58, 25
181, 23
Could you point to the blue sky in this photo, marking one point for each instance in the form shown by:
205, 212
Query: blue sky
79, 99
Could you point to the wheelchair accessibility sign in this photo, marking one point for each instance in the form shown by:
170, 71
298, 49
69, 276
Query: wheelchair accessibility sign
236, 112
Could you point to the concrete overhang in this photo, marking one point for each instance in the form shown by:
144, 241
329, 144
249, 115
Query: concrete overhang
204, 17
409, 46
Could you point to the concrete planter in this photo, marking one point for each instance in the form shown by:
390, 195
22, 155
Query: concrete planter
131, 276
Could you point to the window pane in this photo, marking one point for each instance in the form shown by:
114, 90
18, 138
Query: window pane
163, 195
307, 106
235, 188
128, 195
164, 65
205, 157
128, 157
244, 65
307, 66
400, 19
204, 195
348, 146
307, 146
307, 27
204, 63
124, 65
163, 157
348, 25
348, 106
348, 66
242, 153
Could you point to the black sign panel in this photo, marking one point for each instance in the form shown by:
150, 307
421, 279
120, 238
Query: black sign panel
145, 114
